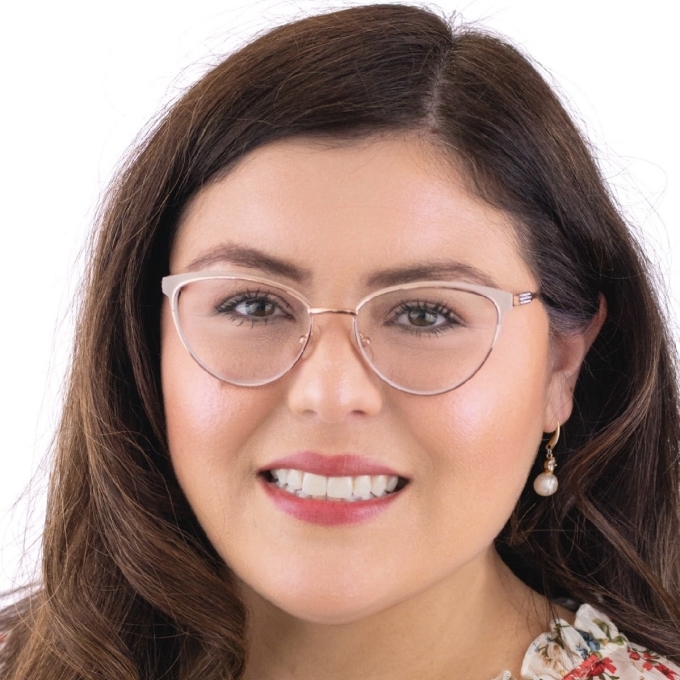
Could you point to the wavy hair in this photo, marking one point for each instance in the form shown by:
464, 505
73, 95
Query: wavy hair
128, 576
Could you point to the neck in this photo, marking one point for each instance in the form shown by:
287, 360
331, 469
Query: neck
475, 623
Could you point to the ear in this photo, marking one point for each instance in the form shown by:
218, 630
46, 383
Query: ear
568, 352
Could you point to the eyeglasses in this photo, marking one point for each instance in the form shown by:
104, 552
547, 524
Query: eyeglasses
424, 338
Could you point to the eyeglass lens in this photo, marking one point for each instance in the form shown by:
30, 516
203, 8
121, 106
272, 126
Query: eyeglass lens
421, 339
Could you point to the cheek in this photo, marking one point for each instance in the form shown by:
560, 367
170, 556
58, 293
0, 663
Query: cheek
208, 421
484, 436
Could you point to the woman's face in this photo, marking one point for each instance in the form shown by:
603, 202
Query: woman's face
341, 215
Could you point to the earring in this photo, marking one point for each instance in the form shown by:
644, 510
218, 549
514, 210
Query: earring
546, 483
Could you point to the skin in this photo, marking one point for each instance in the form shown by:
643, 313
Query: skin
419, 591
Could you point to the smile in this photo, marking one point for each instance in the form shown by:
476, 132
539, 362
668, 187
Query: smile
336, 489
322, 506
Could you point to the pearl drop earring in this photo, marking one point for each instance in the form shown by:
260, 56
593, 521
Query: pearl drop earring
546, 483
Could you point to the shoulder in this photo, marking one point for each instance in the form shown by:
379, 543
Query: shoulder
592, 648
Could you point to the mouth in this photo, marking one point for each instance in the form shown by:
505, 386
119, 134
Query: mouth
346, 489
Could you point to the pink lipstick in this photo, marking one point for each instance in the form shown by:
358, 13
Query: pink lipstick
338, 465
329, 512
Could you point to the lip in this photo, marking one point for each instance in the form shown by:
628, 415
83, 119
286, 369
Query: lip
337, 465
329, 513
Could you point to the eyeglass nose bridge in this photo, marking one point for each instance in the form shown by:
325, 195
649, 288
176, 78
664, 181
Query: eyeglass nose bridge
329, 310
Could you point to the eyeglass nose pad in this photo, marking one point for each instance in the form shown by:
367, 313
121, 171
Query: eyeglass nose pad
308, 340
366, 345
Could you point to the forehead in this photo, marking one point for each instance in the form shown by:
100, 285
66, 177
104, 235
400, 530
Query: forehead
344, 211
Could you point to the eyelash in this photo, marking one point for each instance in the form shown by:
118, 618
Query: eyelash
227, 306
432, 308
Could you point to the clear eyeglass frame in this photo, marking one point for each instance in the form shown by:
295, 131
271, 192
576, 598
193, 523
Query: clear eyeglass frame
503, 301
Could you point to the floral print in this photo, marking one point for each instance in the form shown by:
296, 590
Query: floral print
591, 648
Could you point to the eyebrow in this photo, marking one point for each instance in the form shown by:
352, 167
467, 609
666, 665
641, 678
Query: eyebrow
429, 271
253, 258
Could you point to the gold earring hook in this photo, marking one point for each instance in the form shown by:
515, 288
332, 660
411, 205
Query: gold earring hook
555, 437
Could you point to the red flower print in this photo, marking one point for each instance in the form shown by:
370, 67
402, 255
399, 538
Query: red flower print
648, 656
671, 675
651, 661
576, 674
600, 667
585, 669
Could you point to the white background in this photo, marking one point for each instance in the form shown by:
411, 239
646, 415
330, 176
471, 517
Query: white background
81, 79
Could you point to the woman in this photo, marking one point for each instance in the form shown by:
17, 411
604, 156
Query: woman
370, 381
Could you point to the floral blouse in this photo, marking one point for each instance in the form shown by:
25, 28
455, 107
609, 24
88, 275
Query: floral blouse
591, 648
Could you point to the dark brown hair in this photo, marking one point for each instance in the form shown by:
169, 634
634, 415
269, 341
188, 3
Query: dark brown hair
128, 577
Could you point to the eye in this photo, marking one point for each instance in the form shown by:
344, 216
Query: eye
428, 317
253, 306
257, 307
421, 317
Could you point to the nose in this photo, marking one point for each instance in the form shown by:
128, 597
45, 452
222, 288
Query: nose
332, 380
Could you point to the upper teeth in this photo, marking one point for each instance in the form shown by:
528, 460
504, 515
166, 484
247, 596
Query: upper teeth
306, 484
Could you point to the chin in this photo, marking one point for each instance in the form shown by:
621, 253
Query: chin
330, 610
328, 603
